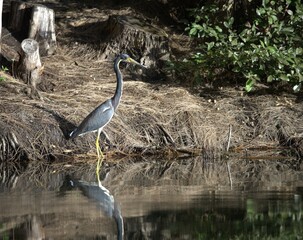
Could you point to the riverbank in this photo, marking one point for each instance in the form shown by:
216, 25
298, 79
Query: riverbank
159, 118
153, 118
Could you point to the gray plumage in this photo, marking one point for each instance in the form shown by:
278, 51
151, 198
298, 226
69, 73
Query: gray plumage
95, 120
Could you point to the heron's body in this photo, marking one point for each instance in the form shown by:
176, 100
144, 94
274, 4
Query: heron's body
102, 115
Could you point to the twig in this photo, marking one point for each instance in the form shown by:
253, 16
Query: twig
167, 136
229, 175
229, 137
227, 163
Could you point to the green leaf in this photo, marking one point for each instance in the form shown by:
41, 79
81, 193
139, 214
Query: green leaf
213, 33
254, 46
243, 33
297, 88
254, 59
266, 41
210, 45
230, 53
239, 63
193, 31
283, 61
218, 29
290, 60
270, 78
274, 18
226, 24
284, 77
271, 49
249, 85
197, 26
280, 27
261, 11
234, 42
231, 21
287, 30
265, 2
298, 51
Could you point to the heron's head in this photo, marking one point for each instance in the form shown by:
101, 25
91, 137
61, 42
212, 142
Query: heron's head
127, 59
124, 57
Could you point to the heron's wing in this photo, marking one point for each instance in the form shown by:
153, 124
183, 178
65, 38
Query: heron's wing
98, 118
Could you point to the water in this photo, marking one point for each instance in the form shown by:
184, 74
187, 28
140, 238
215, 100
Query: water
82, 210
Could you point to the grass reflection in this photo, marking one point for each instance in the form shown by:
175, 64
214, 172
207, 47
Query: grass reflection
262, 219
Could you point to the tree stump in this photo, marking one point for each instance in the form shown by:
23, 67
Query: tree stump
1, 7
135, 37
34, 21
30, 67
19, 11
42, 29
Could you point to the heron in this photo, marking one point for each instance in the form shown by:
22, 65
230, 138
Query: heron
102, 115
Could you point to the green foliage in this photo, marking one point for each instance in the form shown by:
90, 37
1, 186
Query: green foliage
3, 69
267, 48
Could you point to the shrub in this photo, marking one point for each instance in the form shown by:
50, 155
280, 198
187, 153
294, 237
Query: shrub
267, 48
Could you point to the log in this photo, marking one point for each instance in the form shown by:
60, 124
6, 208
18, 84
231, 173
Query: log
34, 21
30, 68
10, 47
135, 37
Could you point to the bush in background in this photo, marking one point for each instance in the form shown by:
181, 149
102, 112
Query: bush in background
267, 48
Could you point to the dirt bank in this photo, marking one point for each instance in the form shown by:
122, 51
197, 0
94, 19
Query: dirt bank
155, 117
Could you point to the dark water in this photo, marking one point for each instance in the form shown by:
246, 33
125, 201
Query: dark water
81, 210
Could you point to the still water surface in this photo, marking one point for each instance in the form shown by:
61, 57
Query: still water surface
82, 210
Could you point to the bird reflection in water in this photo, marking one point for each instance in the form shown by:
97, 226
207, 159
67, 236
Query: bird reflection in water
105, 201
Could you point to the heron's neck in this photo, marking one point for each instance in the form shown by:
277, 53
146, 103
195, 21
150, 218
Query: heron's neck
116, 98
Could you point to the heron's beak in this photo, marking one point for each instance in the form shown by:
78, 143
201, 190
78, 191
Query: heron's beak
130, 60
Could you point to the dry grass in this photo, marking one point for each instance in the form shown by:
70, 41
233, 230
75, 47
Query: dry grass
150, 116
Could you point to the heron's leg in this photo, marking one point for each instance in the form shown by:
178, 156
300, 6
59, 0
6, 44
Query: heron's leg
100, 156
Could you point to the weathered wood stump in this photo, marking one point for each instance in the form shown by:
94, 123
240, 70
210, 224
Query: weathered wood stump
30, 67
134, 36
42, 29
34, 21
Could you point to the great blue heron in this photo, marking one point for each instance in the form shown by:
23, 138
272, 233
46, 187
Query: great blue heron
98, 118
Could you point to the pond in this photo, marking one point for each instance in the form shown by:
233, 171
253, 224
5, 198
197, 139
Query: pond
58, 206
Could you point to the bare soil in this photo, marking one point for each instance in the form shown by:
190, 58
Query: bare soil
157, 117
